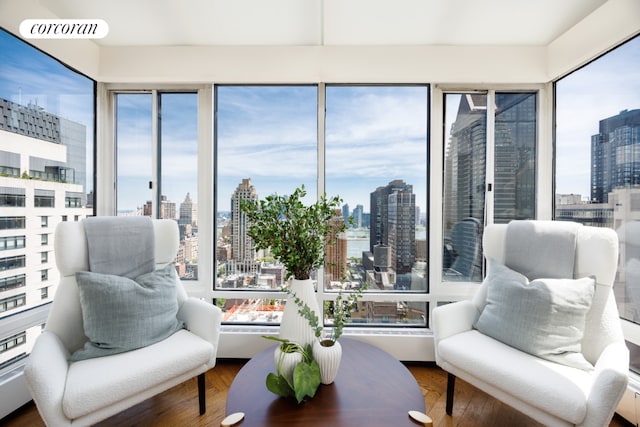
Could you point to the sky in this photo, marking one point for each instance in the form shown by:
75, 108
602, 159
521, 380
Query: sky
599, 90
28, 76
374, 134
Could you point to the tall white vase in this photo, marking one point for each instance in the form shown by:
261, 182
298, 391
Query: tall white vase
294, 327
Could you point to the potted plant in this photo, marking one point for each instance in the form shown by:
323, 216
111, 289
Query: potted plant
326, 350
298, 374
297, 235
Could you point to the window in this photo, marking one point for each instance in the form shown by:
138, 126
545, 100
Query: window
44, 199
37, 89
12, 197
12, 341
12, 222
12, 282
164, 184
11, 242
597, 180
376, 160
72, 200
133, 143
44, 257
10, 303
266, 143
477, 185
12, 262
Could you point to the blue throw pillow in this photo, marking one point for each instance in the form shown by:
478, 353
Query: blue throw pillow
544, 317
121, 314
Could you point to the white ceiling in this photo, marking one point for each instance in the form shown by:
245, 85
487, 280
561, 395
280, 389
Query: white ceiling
328, 22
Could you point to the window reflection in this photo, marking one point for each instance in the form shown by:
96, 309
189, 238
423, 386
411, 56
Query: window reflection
598, 160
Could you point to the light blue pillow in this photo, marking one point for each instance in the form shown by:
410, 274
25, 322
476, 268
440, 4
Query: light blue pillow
544, 317
121, 314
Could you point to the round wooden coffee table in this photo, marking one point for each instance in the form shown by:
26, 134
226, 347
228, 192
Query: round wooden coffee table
371, 389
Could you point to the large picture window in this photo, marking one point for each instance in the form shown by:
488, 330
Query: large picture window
266, 144
598, 159
46, 156
268, 139
376, 148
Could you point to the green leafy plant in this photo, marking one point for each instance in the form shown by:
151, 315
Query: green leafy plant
339, 310
306, 374
296, 234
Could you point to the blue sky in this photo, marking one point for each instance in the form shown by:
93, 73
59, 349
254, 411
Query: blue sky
374, 135
597, 91
179, 134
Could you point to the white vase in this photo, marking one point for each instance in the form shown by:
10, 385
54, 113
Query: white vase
286, 363
294, 327
328, 358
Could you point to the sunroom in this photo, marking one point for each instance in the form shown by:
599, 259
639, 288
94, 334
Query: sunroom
476, 112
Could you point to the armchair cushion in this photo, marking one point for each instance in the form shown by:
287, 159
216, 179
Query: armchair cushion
95, 384
121, 314
544, 317
517, 376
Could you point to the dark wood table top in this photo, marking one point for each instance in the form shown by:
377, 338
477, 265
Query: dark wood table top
372, 389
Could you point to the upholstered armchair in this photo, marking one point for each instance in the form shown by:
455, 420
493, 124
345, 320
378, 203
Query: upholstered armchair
72, 382
542, 333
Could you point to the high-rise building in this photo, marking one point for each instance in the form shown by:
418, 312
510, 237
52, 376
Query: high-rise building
188, 220
42, 183
336, 250
466, 162
393, 223
357, 216
615, 154
345, 212
242, 246
167, 208
401, 224
188, 212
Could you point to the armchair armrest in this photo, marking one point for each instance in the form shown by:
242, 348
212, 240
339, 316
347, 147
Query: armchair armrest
201, 318
609, 383
46, 375
453, 318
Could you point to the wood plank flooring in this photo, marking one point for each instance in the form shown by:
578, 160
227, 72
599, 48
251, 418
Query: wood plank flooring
179, 405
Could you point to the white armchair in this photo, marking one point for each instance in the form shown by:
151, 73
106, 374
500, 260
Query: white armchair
87, 391
552, 393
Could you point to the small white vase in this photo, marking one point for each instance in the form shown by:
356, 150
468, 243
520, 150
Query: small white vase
286, 363
328, 358
294, 327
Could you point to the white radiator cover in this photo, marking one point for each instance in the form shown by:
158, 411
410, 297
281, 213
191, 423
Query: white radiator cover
14, 392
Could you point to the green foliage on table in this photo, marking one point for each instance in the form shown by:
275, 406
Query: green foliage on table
306, 374
296, 233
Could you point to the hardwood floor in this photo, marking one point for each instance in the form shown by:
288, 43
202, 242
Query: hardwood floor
179, 405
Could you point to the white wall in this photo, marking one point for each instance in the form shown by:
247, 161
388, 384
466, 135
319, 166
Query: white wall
611, 24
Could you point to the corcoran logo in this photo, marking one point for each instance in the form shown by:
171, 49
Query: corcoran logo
63, 28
